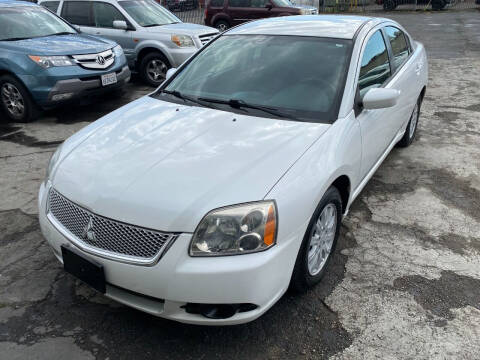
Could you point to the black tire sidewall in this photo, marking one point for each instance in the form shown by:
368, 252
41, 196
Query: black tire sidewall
301, 278
221, 22
31, 109
143, 67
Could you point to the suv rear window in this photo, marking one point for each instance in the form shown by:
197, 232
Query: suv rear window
78, 12
51, 5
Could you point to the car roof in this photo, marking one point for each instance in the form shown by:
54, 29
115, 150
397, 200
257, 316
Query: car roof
331, 26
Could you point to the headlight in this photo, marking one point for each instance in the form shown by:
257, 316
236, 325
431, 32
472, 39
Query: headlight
52, 162
49, 61
118, 50
304, 12
183, 40
234, 230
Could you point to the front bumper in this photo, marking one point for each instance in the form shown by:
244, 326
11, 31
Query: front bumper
177, 279
85, 86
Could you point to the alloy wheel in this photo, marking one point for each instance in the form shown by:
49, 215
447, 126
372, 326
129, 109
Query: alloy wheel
13, 100
321, 240
413, 122
156, 70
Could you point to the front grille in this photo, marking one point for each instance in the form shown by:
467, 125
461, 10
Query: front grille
108, 237
97, 61
204, 39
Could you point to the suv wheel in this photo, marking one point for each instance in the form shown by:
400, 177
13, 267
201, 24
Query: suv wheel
16, 101
153, 68
222, 25
389, 5
438, 4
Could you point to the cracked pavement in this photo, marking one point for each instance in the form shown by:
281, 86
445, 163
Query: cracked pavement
405, 282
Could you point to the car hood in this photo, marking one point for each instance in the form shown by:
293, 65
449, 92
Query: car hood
164, 166
60, 45
183, 29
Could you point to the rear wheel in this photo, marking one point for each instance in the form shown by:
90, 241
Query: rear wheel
222, 25
153, 68
389, 5
319, 242
411, 130
438, 4
16, 101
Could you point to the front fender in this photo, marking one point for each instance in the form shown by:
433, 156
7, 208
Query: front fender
157, 45
337, 152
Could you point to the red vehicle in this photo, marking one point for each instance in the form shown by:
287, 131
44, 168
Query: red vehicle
223, 14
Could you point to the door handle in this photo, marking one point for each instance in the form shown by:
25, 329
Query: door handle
418, 68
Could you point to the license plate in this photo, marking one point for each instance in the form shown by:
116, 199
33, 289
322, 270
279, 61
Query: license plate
83, 268
109, 79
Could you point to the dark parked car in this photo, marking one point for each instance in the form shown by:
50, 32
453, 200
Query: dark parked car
223, 14
180, 5
389, 5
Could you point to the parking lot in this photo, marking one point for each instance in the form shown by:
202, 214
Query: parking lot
405, 282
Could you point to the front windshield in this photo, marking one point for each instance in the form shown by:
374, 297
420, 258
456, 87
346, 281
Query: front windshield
26, 22
300, 77
148, 13
283, 3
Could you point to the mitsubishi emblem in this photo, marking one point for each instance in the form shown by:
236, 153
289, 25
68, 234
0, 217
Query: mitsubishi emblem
88, 232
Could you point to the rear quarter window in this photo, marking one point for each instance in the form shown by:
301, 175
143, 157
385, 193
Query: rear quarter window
216, 3
51, 5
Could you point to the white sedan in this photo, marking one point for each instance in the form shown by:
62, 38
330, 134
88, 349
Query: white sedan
205, 200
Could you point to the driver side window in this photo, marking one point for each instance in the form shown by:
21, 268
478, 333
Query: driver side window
375, 65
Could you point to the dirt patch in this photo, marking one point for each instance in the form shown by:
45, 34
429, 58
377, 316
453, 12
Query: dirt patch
439, 296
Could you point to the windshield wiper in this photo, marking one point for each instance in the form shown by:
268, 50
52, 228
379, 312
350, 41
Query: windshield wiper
15, 39
179, 95
62, 33
152, 25
239, 104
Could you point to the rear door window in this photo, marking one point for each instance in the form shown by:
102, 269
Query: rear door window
105, 14
239, 3
375, 66
399, 44
51, 5
78, 12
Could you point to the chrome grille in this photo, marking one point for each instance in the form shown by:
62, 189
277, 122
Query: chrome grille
204, 39
107, 237
95, 61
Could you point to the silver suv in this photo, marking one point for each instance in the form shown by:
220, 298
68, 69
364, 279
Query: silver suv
152, 38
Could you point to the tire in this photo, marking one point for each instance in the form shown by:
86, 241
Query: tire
438, 4
15, 100
222, 25
305, 276
389, 5
153, 68
412, 125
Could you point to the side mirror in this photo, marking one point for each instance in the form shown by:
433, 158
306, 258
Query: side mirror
120, 24
269, 6
76, 27
380, 98
170, 72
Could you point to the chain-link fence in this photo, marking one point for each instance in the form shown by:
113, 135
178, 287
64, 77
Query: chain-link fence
193, 11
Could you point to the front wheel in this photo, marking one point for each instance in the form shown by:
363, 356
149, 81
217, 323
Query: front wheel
153, 68
16, 101
319, 242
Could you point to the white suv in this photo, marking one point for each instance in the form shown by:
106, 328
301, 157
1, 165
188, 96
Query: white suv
152, 38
